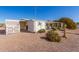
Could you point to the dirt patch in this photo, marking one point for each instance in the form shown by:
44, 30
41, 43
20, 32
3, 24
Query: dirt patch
25, 41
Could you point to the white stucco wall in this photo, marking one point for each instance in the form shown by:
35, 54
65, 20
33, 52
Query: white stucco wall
12, 26
30, 26
34, 26
38, 26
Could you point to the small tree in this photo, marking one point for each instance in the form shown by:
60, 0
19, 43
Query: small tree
65, 31
69, 22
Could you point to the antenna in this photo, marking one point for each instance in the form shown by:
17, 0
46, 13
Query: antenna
35, 13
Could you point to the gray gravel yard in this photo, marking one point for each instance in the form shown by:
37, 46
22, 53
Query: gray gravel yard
34, 42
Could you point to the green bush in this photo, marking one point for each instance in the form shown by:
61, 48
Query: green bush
54, 28
77, 22
41, 31
60, 28
53, 36
69, 22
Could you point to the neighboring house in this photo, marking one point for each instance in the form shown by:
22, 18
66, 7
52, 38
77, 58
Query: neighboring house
51, 25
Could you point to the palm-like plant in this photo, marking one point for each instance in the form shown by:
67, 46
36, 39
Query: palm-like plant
65, 31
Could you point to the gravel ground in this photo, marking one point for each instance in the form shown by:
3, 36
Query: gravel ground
35, 42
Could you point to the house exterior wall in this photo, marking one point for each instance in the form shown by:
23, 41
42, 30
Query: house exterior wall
35, 26
40, 25
12, 26
31, 26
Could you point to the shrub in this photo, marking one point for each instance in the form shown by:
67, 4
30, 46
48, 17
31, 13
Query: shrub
53, 36
54, 28
69, 22
41, 31
59, 28
77, 22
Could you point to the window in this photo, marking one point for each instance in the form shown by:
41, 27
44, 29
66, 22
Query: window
39, 24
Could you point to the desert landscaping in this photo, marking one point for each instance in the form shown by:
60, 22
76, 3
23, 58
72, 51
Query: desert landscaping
33, 42
39, 29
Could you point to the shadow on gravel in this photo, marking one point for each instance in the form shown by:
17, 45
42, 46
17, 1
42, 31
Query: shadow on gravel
45, 39
73, 33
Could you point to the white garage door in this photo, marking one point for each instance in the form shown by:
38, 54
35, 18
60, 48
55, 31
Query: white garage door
12, 29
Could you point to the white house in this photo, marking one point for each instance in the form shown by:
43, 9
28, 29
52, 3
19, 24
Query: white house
14, 26
36, 25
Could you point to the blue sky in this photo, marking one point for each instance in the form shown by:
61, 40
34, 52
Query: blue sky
39, 12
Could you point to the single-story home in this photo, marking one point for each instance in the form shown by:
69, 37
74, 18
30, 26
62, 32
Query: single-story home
14, 26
